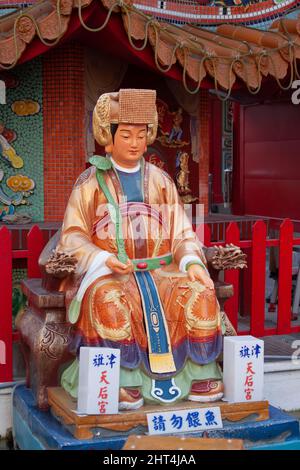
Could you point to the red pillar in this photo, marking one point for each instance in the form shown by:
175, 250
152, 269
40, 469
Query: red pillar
215, 163
205, 116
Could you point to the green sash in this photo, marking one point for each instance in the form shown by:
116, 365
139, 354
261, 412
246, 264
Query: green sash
103, 164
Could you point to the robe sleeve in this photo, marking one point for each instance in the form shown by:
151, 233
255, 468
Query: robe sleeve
184, 241
76, 236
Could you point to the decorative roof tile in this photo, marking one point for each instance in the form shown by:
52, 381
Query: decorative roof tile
231, 52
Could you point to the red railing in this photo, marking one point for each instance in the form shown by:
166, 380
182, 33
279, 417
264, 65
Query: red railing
219, 223
35, 244
254, 277
251, 283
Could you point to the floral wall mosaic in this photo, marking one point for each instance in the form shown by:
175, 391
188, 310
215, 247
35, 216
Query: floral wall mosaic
21, 143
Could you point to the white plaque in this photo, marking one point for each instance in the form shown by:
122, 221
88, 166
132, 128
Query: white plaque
99, 375
179, 421
243, 369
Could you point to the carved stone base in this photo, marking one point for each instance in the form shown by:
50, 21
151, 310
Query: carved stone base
85, 427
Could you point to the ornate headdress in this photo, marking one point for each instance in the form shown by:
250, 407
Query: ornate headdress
128, 106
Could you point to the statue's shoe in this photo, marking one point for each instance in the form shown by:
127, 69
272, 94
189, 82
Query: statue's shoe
206, 391
130, 399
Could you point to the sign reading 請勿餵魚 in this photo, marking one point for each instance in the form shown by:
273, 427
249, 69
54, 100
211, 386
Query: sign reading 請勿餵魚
99, 375
243, 369
179, 421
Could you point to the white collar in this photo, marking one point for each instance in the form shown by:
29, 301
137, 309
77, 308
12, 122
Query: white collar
126, 170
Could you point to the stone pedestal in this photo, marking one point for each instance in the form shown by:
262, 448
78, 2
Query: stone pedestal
35, 429
64, 408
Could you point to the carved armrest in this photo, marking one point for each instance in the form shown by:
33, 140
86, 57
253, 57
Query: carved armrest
55, 265
60, 264
221, 258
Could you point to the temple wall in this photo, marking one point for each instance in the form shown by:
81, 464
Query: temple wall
21, 149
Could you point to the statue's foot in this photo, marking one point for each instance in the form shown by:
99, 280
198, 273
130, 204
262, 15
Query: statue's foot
130, 399
206, 391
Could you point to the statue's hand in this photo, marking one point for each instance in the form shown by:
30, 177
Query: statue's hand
197, 273
116, 266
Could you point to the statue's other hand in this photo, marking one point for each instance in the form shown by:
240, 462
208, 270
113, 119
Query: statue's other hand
117, 266
197, 273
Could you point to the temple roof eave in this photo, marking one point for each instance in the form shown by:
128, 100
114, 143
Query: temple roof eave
231, 53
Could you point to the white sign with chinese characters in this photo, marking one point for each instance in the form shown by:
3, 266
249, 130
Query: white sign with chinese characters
179, 421
99, 375
243, 369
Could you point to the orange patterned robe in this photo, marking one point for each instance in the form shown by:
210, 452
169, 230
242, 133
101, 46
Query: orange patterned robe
111, 312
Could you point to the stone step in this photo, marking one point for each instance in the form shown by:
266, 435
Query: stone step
282, 385
5, 410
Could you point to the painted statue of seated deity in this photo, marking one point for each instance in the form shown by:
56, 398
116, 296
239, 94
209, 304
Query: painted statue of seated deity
141, 284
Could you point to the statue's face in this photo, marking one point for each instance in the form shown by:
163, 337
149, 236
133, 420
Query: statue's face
129, 145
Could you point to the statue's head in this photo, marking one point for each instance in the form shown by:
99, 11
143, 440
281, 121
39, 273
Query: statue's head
129, 143
126, 122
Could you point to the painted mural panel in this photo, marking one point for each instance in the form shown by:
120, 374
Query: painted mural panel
21, 144
172, 148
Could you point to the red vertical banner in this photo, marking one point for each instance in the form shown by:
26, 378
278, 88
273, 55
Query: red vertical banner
258, 278
6, 306
35, 244
285, 277
231, 276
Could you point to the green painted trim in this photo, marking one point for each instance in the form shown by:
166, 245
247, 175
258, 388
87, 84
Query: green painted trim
196, 262
101, 163
115, 216
74, 311
152, 263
